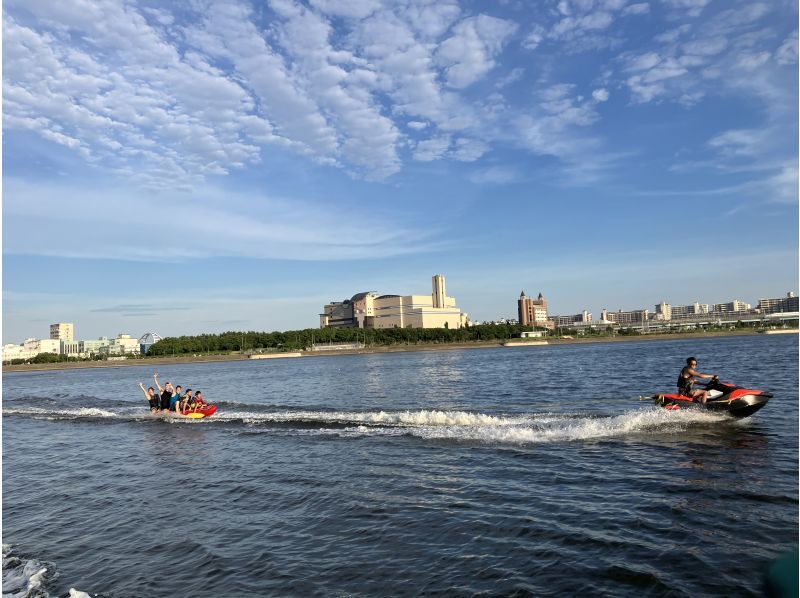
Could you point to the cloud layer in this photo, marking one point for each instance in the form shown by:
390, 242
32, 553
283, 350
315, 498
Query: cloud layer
171, 96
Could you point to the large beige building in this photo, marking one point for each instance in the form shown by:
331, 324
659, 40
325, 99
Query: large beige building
370, 310
64, 331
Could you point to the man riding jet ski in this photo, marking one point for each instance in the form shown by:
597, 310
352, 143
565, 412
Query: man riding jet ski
717, 396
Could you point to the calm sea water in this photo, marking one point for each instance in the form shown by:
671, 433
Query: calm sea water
501, 471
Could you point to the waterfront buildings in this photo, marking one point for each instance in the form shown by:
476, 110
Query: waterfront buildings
63, 331
665, 311
621, 318
781, 305
31, 348
533, 312
584, 317
370, 310
123, 344
732, 307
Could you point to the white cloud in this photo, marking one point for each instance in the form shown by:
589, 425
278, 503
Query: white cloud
469, 53
212, 223
750, 61
787, 53
601, 95
432, 149
640, 8
693, 8
354, 9
534, 38
468, 150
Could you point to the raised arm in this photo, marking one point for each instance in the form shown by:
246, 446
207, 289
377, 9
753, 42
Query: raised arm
160, 388
146, 396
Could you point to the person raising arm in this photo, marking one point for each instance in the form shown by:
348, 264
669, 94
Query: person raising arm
165, 392
152, 398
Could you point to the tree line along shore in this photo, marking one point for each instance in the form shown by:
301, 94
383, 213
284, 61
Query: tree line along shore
232, 346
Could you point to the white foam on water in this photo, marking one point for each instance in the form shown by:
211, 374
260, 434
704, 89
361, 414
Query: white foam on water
493, 429
40, 412
422, 417
73, 593
22, 578
576, 429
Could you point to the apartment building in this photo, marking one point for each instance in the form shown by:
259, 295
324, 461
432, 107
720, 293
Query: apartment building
584, 317
64, 331
780, 305
621, 318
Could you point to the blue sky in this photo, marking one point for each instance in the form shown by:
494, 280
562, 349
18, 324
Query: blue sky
207, 166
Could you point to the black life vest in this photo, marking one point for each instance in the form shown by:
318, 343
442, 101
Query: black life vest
685, 382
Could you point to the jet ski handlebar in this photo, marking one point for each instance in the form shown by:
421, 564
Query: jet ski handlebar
714, 379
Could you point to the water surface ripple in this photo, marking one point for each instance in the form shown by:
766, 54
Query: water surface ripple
524, 471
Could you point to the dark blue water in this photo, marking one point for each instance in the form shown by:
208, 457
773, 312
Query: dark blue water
506, 471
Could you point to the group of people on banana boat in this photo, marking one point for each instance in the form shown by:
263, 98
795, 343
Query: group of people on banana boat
172, 399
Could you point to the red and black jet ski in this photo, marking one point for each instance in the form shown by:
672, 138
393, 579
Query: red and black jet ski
723, 397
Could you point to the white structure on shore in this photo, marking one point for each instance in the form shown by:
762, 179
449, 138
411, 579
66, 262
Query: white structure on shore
31, 348
370, 310
123, 344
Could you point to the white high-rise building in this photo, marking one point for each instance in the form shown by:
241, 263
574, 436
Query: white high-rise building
65, 331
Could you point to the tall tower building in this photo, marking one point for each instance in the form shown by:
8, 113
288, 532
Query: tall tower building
63, 331
438, 291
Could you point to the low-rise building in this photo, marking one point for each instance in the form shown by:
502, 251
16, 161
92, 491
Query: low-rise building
124, 344
665, 311
621, 318
734, 307
31, 348
566, 321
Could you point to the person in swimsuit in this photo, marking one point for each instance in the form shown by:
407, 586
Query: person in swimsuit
686, 381
175, 401
186, 401
152, 398
198, 402
165, 392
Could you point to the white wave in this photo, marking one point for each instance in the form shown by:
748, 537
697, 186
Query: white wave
422, 417
38, 411
492, 429
652, 420
22, 578
73, 593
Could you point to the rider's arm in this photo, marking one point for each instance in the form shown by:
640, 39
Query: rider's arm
160, 388
146, 396
697, 374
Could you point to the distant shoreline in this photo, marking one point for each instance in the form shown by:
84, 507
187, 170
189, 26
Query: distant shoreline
161, 361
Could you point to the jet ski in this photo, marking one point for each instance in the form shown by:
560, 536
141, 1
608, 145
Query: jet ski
723, 397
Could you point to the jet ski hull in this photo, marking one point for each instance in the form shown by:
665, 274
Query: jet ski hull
742, 406
723, 397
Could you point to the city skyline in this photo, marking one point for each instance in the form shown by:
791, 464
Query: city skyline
554, 314
236, 165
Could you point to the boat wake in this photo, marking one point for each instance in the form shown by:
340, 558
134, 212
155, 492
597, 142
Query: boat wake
28, 578
430, 424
